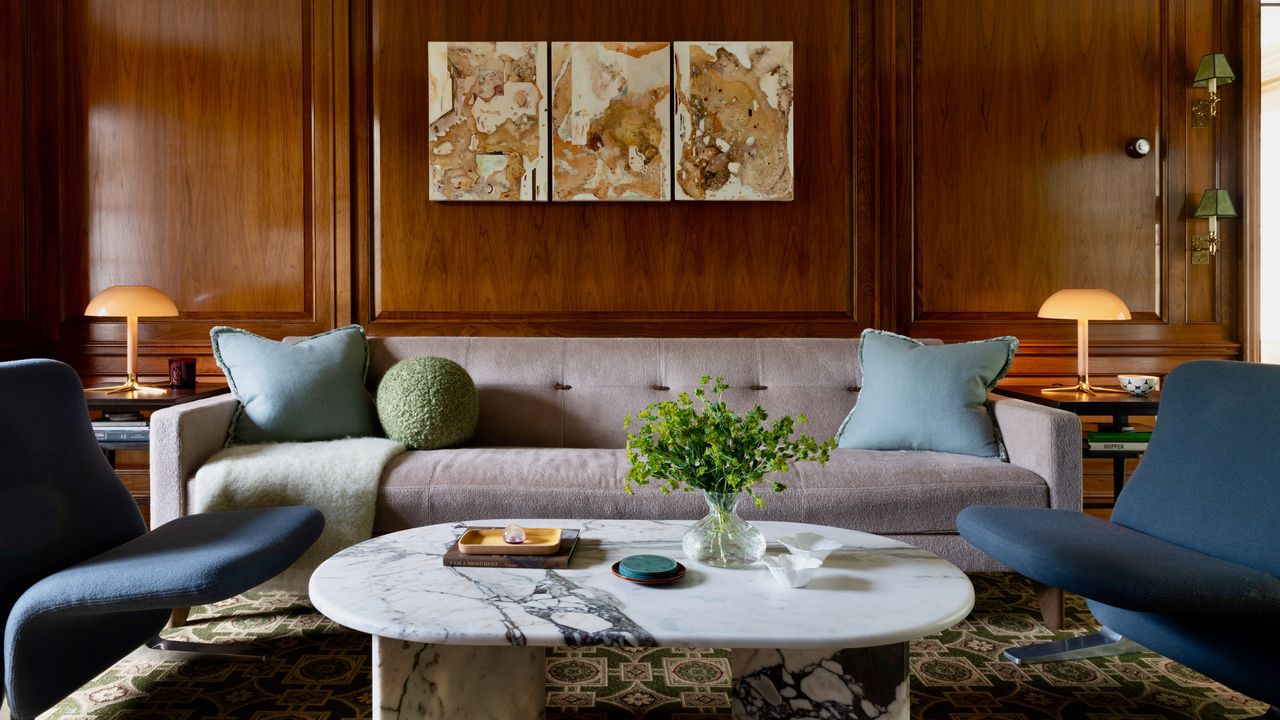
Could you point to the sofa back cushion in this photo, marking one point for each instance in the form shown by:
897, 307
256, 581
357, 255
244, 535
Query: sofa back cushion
574, 392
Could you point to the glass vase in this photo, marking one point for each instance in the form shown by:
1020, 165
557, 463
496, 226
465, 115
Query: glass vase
723, 538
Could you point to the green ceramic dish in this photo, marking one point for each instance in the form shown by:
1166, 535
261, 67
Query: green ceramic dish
647, 567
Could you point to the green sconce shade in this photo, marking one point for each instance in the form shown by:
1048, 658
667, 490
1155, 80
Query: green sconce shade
1215, 203
1213, 66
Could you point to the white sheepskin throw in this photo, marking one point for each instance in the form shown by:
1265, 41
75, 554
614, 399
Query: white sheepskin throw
337, 477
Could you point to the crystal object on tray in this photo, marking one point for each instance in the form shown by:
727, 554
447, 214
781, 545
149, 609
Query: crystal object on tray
514, 535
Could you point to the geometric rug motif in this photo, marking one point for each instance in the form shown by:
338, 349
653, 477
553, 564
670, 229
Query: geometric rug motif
319, 670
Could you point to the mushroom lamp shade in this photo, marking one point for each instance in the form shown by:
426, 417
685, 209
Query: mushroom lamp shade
131, 302
1083, 305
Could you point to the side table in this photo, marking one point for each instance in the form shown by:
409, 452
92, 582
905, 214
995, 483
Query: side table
1116, 406
123, 402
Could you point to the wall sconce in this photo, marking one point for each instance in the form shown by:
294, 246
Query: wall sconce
1216, 203
1214, 70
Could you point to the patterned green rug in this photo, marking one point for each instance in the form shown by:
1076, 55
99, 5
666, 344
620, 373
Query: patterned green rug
320, 671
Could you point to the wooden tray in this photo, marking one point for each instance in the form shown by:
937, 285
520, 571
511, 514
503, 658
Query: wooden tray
488, 541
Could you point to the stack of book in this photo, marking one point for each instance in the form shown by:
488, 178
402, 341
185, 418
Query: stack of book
122, 427
1127, 441
557, 559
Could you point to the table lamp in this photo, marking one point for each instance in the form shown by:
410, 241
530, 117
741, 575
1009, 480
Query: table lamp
131, 302
1083, 305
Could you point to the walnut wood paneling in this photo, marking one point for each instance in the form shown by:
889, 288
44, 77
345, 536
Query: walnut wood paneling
1022, 183
13, 273
957, 161
198, 155
607, 268
1006, 159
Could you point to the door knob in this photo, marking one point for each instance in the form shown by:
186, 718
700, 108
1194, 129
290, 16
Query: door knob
1138, 148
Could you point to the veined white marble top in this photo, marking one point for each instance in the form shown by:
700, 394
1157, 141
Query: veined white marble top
874, 591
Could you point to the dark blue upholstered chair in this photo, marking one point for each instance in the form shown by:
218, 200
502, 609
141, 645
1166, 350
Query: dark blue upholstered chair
82, 583
1189, 565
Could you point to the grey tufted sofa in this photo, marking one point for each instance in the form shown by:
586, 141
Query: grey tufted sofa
550, 439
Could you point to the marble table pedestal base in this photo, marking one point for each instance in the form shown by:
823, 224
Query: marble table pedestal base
416, 681
506, 682
854, 684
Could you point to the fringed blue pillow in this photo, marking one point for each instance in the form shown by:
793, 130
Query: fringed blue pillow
927, 397
310, 390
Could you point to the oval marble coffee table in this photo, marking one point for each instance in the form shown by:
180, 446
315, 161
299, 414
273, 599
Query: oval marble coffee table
471, 642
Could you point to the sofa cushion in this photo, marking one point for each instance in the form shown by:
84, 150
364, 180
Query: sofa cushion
873, 491
895, 492
924, 397
574, 392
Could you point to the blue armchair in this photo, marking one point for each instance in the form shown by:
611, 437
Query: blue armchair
82, 583
1189, 565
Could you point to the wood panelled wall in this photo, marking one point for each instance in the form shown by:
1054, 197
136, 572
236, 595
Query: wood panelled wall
265, 163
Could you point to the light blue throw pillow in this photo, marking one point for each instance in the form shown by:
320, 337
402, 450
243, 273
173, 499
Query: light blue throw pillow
311, 390
927, 397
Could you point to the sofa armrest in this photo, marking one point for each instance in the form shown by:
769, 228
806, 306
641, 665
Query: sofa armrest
183, 437
1045, 441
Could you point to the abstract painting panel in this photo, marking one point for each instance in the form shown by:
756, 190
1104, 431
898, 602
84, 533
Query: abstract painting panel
488, 120
611, 121
734, 121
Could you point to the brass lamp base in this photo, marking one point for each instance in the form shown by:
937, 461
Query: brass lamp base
132, 385
1082, 386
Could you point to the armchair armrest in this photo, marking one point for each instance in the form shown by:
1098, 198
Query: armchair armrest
193, 560
1045, 441
1117, 566
183, 437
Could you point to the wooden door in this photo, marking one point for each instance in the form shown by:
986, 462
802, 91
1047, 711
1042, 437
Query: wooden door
1005, 129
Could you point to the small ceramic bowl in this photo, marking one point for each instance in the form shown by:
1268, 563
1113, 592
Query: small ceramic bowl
1139, 384
809, 544
792, 570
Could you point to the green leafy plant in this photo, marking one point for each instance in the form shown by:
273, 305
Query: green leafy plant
698, 443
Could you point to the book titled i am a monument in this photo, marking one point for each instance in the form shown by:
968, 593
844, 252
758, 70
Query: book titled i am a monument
558, 560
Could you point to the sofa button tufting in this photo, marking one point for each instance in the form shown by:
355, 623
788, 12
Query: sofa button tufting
852, 388
759, 387
562, 386
659, 388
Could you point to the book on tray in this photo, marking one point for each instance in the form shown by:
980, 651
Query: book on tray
558, 560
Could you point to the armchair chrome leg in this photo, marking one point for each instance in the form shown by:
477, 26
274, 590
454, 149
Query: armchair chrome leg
1101, 644
208, 651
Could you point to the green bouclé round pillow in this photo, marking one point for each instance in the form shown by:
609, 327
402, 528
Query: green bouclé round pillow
428, 403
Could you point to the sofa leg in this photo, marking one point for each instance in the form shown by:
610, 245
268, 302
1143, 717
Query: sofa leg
1050, 600
179, 617
1104, 643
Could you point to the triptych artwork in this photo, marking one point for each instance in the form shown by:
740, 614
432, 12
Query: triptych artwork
596, 123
